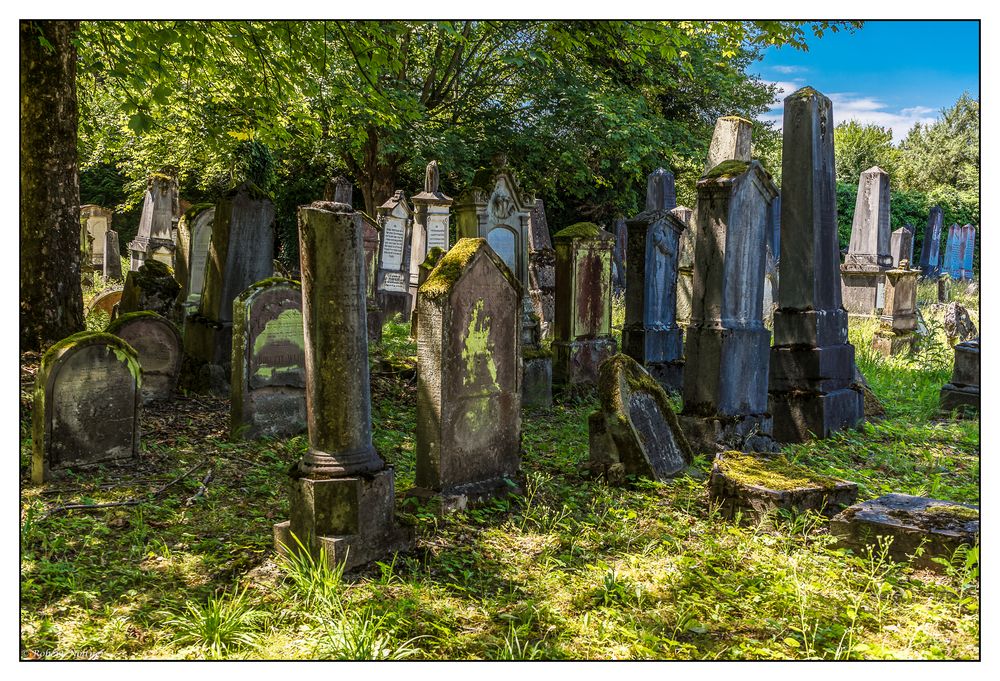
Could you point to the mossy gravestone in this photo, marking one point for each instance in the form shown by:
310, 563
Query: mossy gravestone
920, 527
583, 303
268, 397
757, 485
635, 432
468, 392
152, 287
868, 256
86, 405
158, 344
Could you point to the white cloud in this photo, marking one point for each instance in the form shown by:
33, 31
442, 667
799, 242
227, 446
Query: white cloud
864, 109
788, 69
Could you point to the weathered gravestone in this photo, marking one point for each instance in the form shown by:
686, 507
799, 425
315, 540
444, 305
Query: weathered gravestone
152, 287
468, 390
86, 405
583, 304
97, 222
901, 246
685, 265
393, 283
920, 528
618, 276
952, 256
240, 254
930, 264
105, 302
898, 321
958, 325
726, 370
111, 266
268, 386
961, 394
635, 432
944, 288
158, 344
194, 238
968, 252
372, 236
430, 225
434, 256
541, 270
772, 235
651, 335
757, 485
342, 493
812, 364
160, 212
913, 236
868, 256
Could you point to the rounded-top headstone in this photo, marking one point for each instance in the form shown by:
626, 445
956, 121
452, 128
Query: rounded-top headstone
158, 344
86, 404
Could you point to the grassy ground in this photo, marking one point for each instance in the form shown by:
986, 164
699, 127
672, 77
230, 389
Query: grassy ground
573, 569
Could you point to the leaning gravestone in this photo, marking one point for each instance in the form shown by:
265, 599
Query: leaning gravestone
962, 392
342, 493
112, 262
152, 287
468, 392
635, 430
651, 335
268, 396
868, 256
958, 325
812, 363
920, 528
583, 304
158, 344
86, 405
105, 302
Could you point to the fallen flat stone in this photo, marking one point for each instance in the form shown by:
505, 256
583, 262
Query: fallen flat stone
939, 527
758, 485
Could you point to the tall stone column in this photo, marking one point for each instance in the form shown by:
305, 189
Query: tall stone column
930, 263
431, 210
868, 256
342, 492
812, 364
725, 375
160, 213
651, 335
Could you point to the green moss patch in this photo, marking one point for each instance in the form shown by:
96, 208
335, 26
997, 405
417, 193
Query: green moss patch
443, 277
581, 230
726, 169
117, 324
952, 511
192, 212
777, 473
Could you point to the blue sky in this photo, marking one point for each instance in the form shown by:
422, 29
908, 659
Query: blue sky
891, 73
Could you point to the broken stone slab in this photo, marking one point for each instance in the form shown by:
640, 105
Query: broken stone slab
158, 344
931, 527
958, 324
86, 405
635, 431
151, 287
758, 485
105, 302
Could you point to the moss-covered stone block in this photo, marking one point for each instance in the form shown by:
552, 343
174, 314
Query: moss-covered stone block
160, 350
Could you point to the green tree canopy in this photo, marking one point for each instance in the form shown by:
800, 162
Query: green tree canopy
859, 147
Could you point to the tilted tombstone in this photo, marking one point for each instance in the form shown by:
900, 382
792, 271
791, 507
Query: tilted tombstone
158, 344
868, 256
898, 322
268, 386
241, 252
968, 253
901, 246
112, 265
86, 405
468, 389
396, 219
618, 276
97, 221
160, 212
812, 363
194, 238
541, 269
726, 347
431, 217
105, 302
962, 392
635, 428
152, 287
952, 247
651, 335
342, 493
930, 264
583, 304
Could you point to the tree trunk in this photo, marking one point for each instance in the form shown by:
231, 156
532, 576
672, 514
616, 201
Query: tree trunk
376, 175
51, 297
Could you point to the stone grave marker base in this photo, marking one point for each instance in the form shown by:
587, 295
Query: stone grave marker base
709, 435
759, 485
964, 400
670, 375
536, 385
578, 362
462, 497
891, 344
800, 416
860, 291
351, 519
939, 527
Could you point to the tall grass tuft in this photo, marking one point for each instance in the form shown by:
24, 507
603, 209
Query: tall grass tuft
224, 624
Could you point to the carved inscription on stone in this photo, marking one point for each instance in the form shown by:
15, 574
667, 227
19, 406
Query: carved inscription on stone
437, 232
277, 347
392, 246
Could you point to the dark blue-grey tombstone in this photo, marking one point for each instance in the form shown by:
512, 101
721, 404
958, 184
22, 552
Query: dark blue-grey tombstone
930, 263
812, 364
651, 335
